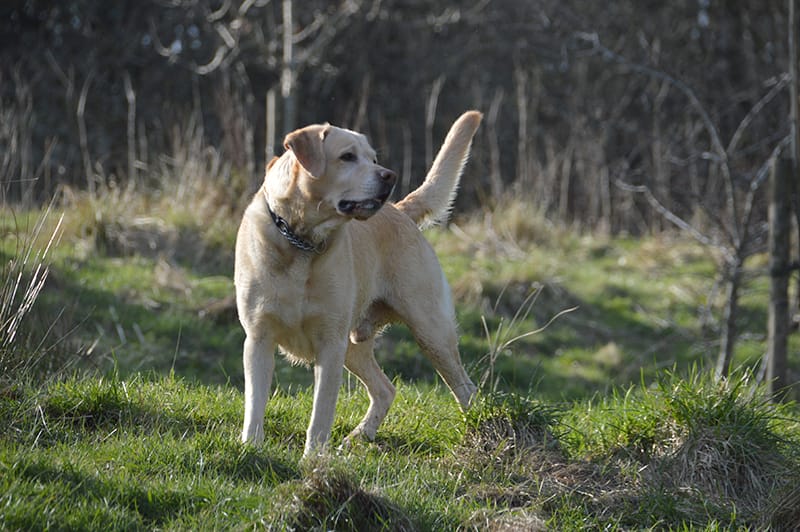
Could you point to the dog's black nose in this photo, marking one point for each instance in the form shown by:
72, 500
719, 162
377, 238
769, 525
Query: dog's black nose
387, 176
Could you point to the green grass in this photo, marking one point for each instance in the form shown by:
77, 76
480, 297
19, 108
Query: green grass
605, 419
160, 452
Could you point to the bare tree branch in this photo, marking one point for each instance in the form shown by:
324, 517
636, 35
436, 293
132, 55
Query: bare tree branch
783, 81
675, 219
719, 154
330, 29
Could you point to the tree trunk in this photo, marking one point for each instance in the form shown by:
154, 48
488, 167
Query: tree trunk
130, 96
523, 175
794, 123
495, 177
83, 137
288, 70
269, 141
728, 333
778, 320
430, 117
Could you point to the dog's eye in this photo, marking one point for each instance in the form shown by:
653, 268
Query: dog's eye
348, 156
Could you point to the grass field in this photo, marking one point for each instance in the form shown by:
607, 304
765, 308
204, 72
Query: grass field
121, 388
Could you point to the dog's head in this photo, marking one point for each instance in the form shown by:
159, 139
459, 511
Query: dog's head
340, 170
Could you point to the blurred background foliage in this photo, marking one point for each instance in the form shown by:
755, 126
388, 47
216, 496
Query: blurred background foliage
579, 96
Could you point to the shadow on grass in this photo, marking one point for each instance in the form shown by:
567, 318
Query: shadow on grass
252, 465
152, 506
602, 344
143, 326
152, 503
406, 444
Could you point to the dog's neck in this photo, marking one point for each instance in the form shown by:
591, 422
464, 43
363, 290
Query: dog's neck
308, 226
289, 234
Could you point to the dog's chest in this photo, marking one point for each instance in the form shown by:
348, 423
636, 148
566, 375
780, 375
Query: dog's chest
305, 313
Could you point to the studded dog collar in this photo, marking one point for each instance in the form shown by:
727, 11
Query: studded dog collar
287, 232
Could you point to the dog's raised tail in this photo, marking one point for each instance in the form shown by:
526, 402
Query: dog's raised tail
431, 202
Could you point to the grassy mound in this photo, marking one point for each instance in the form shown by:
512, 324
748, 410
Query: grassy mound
702, 451
329, 498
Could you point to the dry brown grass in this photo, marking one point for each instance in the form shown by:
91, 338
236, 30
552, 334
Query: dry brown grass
729, 468
190, 223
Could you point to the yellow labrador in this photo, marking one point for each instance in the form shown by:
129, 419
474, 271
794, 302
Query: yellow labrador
322, 264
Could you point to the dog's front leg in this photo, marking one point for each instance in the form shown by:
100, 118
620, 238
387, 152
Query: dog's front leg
259, 363
327, 381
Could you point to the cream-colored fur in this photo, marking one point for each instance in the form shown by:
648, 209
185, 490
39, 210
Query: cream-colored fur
368, 265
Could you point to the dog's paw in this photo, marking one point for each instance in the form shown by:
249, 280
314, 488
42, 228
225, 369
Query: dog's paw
253, 437
313, 459
359, 434
346, 445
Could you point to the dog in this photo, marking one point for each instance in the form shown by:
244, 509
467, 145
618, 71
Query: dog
323, 262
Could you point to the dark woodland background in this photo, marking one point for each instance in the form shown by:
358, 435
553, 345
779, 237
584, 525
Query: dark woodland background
582, 99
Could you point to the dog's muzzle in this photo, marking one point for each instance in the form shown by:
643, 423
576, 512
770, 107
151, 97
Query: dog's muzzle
363, 209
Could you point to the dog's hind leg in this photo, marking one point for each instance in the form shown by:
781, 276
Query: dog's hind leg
433, 326
360, 360
439, 342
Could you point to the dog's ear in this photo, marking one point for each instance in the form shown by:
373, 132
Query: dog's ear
306, 144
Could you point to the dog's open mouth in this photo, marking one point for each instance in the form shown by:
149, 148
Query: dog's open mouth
363, 209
